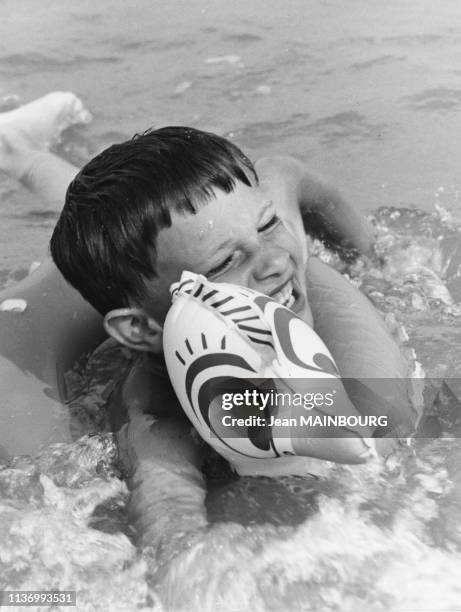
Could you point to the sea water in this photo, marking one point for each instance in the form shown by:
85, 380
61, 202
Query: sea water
369, 95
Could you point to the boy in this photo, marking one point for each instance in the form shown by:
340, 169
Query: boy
177, 198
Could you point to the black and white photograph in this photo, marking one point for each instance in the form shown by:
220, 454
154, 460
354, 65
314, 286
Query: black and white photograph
230, 305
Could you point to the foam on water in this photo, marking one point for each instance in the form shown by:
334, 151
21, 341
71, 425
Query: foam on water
368, 547
47, 506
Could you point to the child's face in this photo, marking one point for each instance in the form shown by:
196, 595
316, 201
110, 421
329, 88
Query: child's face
235, 238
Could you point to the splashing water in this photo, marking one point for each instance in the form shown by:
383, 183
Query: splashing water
376, 537
60, 528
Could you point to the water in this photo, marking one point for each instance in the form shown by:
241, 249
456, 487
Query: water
368, 95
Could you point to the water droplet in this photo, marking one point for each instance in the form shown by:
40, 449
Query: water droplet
14, 305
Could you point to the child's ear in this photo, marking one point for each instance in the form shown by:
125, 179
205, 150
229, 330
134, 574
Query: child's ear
135, 329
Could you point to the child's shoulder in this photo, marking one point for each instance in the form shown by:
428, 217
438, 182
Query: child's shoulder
281, 178
290, 181
282, 168
325, 213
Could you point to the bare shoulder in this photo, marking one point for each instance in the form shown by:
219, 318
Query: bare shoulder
325, 213
280, 178
144, 389
280, 168
307, 186
290, 179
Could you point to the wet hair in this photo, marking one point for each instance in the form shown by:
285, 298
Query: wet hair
104, 242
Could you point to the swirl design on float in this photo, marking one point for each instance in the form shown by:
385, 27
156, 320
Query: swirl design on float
217, 338
260, 318
209, 375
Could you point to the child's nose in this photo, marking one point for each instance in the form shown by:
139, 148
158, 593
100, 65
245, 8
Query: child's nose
271, 262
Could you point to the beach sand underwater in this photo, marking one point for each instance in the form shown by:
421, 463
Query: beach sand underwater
370, 97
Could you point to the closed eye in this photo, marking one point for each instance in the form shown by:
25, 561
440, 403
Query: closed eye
273, 222
220, 267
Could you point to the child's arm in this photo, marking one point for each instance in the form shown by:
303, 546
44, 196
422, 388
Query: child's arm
37, 346
325, 213
167, 504
161, 461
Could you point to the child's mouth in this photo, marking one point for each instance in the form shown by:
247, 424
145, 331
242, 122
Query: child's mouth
286, 296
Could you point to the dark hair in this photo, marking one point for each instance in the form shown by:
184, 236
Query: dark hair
104, 242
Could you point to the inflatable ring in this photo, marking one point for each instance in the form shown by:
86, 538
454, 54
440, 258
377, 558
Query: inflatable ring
224, 341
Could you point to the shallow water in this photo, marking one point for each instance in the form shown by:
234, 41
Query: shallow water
370, 96
375, 537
